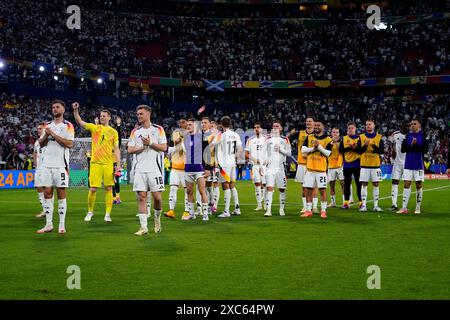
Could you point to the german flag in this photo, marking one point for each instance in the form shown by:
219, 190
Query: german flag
10, 105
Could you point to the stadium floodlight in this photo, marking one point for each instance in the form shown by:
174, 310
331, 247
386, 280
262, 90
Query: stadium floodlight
2, 64
41, 69
381, 26
55, 77
60, 70
82, 79
99, 80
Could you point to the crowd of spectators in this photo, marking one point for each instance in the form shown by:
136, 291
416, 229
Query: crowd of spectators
18, 122
197, 48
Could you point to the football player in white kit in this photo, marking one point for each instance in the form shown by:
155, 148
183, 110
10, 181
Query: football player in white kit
399, 162
148, 142
212, 182
276, 148
229, 146
255, 154
38, 154
57, 139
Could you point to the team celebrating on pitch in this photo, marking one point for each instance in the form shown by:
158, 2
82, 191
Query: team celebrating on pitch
205, 155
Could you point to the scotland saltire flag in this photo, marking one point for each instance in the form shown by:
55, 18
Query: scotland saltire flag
215, 85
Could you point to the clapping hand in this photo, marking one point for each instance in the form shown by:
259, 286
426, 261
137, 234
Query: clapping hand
146, 141
49, 132
316, 143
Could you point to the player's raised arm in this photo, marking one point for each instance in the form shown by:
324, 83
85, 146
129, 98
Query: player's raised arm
216, 140
291, 133
76, 113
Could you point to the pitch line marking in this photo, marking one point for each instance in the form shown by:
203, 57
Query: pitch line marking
241, 204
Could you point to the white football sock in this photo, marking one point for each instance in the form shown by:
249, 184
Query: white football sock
258, 195
149, 205
41, 199
351, 193
323, 205
157, 213
364, 195
48, 209
394, 194
173, 197
198, 197
315, 203
234, 192
209, 194
191, 209
269, 196
343, 198
62, 209
205, 208
308, 206
227, 199
376, 195
186, 202
333, 199
216, 196
304, 202
419, 197
406, 195
143, 220
282, 199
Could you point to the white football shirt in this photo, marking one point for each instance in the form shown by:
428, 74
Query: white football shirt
255, 147
227, 144
55, 155
276, 160
398, 140
148, 160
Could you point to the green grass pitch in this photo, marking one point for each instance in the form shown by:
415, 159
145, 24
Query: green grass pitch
246, 257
